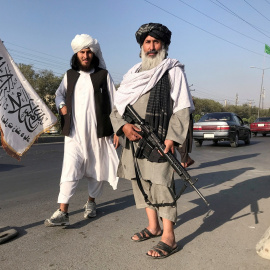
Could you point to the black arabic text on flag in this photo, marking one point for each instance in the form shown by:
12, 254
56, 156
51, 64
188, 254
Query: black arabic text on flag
23, 114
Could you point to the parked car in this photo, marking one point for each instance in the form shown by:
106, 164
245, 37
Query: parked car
52, 130
261, 125
221, 126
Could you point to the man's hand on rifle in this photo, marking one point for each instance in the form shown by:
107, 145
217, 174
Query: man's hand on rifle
169, 146
130, 131
115, 141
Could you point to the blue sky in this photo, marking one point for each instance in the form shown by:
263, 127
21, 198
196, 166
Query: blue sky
217, 40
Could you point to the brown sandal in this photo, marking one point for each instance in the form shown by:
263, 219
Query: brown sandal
160, 247
145, 234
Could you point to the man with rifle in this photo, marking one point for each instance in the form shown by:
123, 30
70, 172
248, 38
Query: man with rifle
158, 91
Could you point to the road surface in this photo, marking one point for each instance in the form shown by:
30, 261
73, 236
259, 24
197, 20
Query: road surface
235, 181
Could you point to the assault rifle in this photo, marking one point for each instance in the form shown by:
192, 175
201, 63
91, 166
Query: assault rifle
153, 146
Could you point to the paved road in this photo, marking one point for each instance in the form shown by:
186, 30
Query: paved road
235, 181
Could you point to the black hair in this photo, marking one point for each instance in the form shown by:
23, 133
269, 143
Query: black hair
75, 64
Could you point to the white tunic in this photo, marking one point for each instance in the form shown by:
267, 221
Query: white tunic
85, 154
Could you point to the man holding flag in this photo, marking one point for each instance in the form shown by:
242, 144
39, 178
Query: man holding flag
85, 99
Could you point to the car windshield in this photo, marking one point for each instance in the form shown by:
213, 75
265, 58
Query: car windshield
216, 117
263, 119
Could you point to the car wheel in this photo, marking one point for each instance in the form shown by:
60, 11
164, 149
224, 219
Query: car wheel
255, 134
215, 142
198, 143
264, 134
247, 140
235, 142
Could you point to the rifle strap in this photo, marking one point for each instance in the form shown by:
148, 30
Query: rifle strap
139, 178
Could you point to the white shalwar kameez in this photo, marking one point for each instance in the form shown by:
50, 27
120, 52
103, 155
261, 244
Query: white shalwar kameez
86, 155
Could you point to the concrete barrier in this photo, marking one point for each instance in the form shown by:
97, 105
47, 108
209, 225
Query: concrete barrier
263, 246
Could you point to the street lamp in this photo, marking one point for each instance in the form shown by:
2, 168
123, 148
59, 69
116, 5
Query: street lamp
261, 91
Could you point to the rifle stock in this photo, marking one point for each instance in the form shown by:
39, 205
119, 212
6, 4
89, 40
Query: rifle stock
149, 135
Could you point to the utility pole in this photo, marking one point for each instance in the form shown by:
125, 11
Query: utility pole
225, 103
261, 91
236, 100
263, 94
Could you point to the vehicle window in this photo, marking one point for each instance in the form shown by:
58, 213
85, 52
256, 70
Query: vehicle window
262, 119
215, 117
237, 120
240, 120
225, 118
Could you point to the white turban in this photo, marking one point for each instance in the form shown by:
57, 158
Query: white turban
84, 41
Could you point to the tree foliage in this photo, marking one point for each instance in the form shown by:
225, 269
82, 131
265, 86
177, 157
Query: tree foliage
203, 106
246, 111
44, 82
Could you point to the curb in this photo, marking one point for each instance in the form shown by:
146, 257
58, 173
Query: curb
50, 139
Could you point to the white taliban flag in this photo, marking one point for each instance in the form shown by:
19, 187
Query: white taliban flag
23, 114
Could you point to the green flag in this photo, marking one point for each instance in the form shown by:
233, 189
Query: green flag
267, 49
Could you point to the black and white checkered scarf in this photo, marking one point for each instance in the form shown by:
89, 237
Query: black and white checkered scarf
158, 111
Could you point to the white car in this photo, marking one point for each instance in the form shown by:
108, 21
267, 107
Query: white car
52, 130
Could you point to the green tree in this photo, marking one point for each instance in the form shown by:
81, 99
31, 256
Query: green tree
197, 117
203, 106
246, 111
29, 73
44, 82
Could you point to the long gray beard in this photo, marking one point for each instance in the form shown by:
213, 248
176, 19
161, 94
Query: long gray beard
151, 62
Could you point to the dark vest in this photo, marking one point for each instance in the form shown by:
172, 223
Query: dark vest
102, 102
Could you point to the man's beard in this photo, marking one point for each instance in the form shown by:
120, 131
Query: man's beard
85, 68
149, 62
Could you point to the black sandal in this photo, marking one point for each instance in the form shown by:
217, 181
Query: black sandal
145, 234
160, 247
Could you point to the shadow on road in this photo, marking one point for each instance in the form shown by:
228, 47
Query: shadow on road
226, 144
103, 209
225, 160
9, 167
227, 203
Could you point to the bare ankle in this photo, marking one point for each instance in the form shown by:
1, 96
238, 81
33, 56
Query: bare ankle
154, 229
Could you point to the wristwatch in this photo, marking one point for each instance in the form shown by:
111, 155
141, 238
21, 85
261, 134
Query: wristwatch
61, 106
